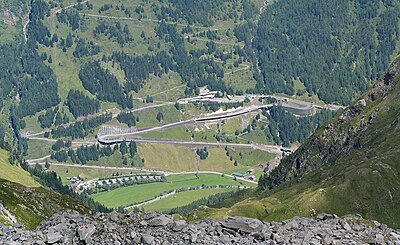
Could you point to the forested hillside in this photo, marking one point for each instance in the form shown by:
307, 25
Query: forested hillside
335, 48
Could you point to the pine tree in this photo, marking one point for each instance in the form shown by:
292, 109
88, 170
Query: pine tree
68, 41
59, 119
160, 116
132, 149
123, 148
65, 118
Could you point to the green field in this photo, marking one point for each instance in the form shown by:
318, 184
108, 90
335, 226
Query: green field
181, 199
139, 193
182, 158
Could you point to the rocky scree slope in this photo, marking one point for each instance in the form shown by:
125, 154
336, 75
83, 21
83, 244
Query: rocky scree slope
153, 228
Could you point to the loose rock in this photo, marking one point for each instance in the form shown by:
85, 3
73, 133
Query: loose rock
243, 224
53, 237
161, 220
116, 229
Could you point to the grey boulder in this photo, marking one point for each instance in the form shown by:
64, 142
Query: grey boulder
242, 224
179, 225
53, 237
147, 239
161, 220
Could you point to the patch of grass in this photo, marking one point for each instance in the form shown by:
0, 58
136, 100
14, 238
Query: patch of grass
251, 158
236, 79
32, 205
32, 124
14, 173
108, 105
64, 67
231, 125
218, 161
147, 117
257, 136
172, 133
138, 193
299, 86
38, 148
168, 157
168, 87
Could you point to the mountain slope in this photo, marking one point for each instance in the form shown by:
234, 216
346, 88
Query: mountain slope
24, 201
28, 206
349, 166
14, 173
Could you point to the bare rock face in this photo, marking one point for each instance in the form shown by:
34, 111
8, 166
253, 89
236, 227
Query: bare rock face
72, 228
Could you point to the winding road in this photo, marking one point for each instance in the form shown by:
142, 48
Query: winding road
119, 137
297, 106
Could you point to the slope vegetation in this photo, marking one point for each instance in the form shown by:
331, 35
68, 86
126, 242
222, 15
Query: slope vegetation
29, 206
24, 201
14, 173
349, 166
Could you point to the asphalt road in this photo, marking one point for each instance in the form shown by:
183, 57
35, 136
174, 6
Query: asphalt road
116, 138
